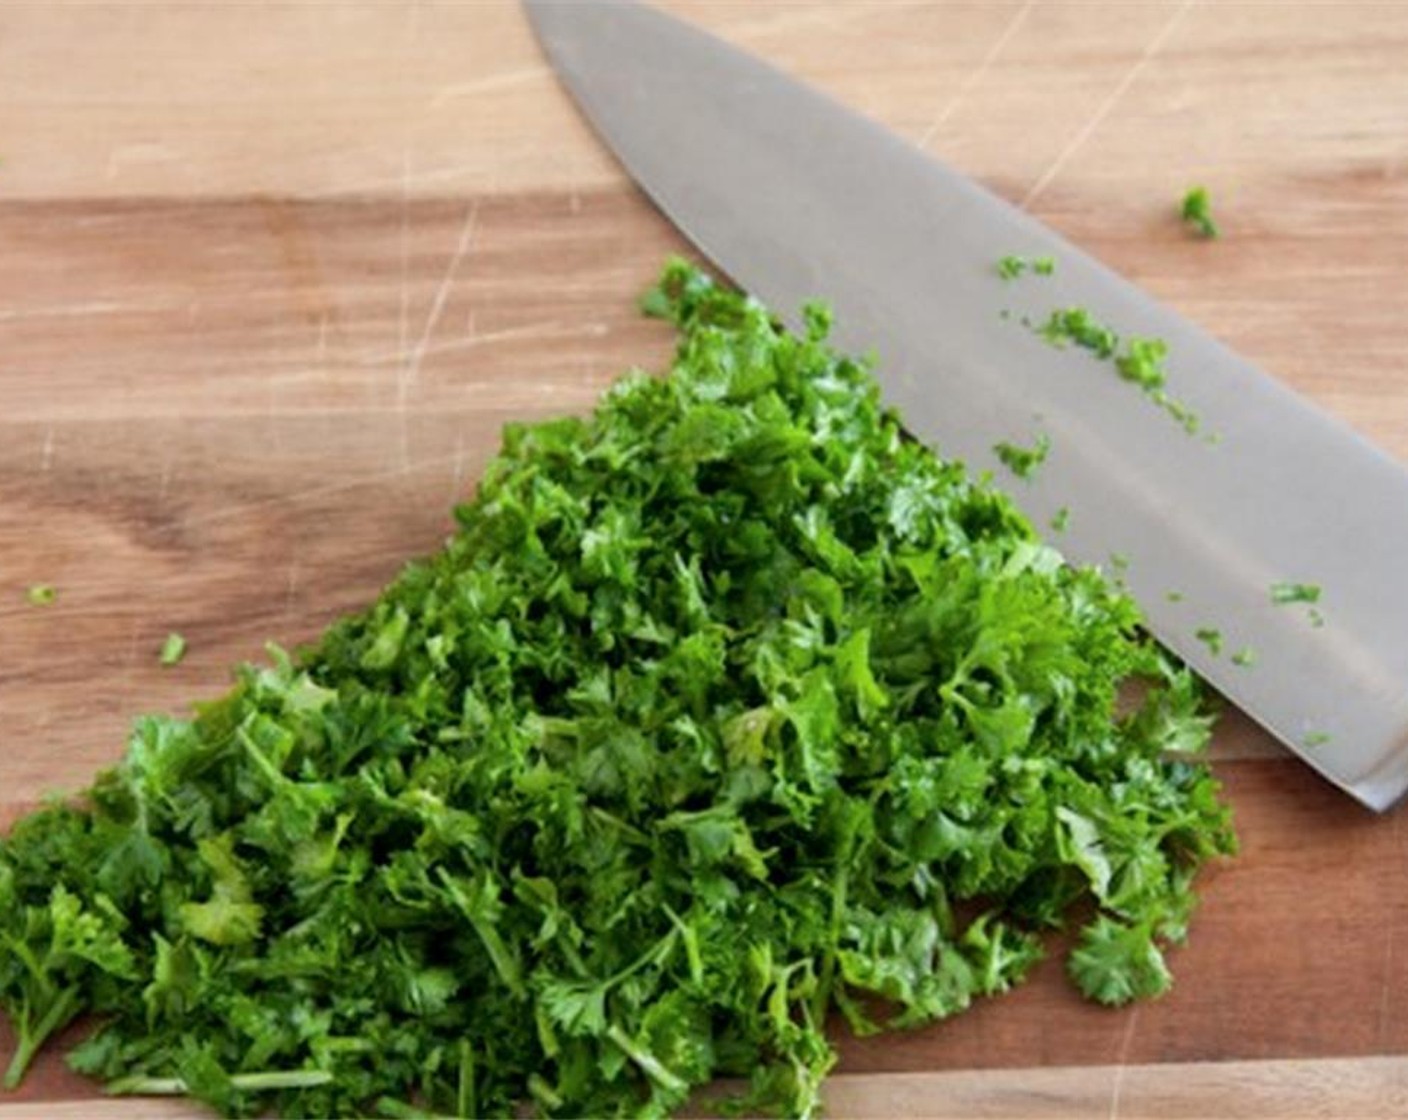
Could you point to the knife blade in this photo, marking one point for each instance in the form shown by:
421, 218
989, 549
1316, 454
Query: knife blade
794, 196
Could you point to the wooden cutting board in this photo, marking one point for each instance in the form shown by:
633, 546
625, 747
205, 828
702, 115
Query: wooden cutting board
273, 278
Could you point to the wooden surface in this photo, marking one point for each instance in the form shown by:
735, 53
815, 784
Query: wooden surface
274, 277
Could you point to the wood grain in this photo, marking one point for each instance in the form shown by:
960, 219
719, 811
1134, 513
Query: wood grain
274, 279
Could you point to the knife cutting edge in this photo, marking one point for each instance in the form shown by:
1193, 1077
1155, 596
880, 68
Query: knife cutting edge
796, 197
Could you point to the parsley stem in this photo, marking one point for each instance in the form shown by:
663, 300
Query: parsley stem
544, 1093
263, 1082
466, 1097
400, 1110
650, 1065
504, 960
61, 1012
839, 888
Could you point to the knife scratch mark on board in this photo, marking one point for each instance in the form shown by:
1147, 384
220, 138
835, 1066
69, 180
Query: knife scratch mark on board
564, 398
1122, 1063
86, 308
403, 319
534, 331
492, 82
1387, 985
823, 15
411, 370
1103, 110
977, 74
138, 154
229, 512
402, 323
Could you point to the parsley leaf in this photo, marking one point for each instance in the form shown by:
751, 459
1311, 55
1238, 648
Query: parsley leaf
1115, 962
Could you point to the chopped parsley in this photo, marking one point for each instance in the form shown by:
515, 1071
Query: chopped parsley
1244, 658
1011, 266
724, 709
173, 649
1140, 361
1196, 212
1077, 325
1143, 363
1210, 637
1284, 593
1186, 418
1023, 461
1060, 519
41, 594
1316, 739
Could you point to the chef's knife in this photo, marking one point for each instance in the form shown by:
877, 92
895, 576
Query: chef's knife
796, 197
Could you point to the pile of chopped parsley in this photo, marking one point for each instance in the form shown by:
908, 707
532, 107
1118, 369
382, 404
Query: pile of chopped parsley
724, 710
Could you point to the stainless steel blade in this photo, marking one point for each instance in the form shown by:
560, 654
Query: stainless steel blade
796, 197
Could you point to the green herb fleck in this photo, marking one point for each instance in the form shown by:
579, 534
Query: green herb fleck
1316, 739
41, 594
1139, 361
1078, 326
1010, 267
1060, 519
1196, 212
1142, 363
173, 649
1185, 417
1284, 593
1210, 637
1244, 658
725, 711
1023, 461
1174, 596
